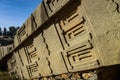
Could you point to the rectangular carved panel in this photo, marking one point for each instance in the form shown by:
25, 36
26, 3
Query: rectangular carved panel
73, 28
21, 34
79, 49
80, 56
53, 6
33, 70
80, 53
31, 51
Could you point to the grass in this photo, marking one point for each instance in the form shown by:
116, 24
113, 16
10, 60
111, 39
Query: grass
4, 76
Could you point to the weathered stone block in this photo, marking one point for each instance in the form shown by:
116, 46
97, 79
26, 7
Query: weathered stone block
22, 33
39, 16
33, 70
57, 64
53, 6
104, 18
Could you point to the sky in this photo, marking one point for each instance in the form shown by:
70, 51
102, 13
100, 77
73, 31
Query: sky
16, 12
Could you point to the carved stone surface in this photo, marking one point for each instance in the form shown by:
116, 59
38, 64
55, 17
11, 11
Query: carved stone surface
67, 36
105, 24
53, 6
80, 51
39, 16
33, 70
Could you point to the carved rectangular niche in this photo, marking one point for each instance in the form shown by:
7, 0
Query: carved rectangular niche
33, 70
79, 50
52, 6
31, 51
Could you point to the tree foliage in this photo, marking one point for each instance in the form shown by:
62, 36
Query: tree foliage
0, 31
5, 31
10, 33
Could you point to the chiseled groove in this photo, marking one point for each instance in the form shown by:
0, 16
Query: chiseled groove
76, 48
45, 43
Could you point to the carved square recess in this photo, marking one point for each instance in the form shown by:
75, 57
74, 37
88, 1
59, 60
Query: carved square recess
32, 52
79, 50
80, 56
22, 34
74, 28
53, 6
33, 70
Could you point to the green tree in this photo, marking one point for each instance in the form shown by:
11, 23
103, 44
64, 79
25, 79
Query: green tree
12, 30
4, 31
0, 31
